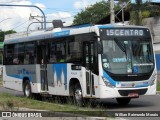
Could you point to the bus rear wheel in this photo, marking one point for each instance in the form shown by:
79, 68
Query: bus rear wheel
78, 98
123, 101
27, 89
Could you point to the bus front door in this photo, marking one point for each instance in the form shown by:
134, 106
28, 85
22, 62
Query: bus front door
89, 63
42, 53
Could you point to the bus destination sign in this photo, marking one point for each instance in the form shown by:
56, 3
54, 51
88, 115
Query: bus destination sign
124, 32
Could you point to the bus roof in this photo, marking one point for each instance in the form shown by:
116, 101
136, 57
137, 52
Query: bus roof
58, 32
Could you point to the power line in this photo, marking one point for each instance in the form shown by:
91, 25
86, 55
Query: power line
20, 25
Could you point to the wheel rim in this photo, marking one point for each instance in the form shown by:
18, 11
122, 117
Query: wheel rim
27, 90
78, 96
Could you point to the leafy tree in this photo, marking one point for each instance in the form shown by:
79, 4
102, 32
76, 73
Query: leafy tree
2, 33
140, 11
123, 1
93, 13
98, 11
9, 32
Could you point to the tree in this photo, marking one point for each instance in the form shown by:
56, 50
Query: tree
3, 33
123, 1
140, 11
10, 32
93, 13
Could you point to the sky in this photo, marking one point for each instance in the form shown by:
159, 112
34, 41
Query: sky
18, 18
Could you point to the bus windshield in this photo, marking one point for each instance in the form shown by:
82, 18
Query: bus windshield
127, 55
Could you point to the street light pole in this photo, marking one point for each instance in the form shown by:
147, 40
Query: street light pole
122, 15
34, 17
44, 17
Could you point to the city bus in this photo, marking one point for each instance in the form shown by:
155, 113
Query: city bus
82, 62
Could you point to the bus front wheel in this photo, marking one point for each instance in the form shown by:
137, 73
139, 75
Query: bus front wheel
123, 101
27, 89
78, 98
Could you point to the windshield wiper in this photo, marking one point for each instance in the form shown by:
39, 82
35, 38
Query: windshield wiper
120, 45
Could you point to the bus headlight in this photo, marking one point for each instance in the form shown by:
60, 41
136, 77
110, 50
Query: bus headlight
153, 80
107, 83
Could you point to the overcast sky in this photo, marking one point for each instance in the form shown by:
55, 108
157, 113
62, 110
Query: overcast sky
17, 18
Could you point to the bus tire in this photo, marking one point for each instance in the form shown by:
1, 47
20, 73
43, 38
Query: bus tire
123, 101
27, 89
77, 96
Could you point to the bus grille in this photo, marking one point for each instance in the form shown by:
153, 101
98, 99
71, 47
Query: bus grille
130, 78
126, 92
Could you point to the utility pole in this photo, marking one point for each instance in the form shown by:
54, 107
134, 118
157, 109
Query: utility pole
112, 18
123, 13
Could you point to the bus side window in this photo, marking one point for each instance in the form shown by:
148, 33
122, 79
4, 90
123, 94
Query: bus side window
60, 52
9, 54
29, 57
76, 53
26, 59
69, 50
16, 61
53, 57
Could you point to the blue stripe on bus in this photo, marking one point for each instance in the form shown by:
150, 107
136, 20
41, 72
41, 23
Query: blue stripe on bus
62, 33
106, 26
20, 77
109, 78
158, 61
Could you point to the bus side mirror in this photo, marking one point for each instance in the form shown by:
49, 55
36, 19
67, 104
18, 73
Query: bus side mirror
100, 47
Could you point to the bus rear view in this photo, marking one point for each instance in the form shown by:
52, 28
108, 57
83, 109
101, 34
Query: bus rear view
128, 65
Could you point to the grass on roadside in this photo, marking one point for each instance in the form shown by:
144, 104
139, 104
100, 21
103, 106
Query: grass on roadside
9, 102
158, 85
34, 104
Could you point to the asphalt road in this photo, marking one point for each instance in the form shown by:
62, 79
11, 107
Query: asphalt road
144, 103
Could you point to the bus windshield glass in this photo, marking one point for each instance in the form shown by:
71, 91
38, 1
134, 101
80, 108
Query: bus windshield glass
127, 55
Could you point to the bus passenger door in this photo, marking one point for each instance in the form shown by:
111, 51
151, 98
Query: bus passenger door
42, 60
90, 64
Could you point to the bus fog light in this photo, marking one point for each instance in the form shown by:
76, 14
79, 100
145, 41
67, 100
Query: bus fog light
107, 83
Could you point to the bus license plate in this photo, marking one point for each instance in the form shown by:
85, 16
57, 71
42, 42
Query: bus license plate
133, 95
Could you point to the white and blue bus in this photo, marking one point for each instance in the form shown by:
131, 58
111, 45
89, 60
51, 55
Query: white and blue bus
84, 62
